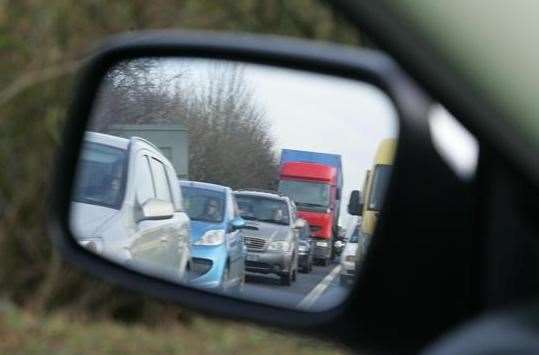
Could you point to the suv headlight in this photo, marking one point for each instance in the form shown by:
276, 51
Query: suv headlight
279, 245
94, 245
212, 237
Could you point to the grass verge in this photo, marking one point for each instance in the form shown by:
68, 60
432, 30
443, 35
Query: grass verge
24, 333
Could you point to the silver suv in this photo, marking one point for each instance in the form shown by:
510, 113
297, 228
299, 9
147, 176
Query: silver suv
273, 247
127, 206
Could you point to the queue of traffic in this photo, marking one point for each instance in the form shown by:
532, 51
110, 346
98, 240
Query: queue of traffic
130, 206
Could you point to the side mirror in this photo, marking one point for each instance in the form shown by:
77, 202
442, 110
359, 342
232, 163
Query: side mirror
239, 223
299, 223
355, 205
154, 209
269, 63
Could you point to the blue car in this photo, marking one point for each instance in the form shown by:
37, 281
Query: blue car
218, 253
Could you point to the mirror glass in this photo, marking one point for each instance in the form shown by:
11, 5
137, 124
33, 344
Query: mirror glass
234, 177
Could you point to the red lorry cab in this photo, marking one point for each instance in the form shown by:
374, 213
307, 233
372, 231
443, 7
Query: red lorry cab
312, 187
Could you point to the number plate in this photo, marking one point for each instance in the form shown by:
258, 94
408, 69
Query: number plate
321, 244
252, 257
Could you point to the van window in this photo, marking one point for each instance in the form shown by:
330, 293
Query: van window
144, 181
381, 176
162, 189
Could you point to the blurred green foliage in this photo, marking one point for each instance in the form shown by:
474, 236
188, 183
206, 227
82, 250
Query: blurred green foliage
23, 333
42, 43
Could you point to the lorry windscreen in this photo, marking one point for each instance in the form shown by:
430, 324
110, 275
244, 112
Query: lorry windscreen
101, 175
381, 176
305, 193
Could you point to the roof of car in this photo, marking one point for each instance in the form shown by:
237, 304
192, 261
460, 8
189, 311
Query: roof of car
107, 139
203, 185
116, 141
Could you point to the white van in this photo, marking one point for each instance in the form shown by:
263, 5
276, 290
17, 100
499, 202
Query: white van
127, 206
349, 254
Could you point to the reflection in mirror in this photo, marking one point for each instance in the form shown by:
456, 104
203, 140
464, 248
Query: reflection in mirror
235, 177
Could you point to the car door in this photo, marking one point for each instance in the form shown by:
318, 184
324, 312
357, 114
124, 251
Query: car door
168, 231
295, 232
182, 222
145, 247
234, 239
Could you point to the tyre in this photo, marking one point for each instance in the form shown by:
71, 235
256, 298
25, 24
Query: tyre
325, 262
286, 280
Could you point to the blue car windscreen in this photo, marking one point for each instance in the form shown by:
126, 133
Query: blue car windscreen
203, 204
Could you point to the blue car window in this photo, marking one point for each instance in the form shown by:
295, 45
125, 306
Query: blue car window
204, 204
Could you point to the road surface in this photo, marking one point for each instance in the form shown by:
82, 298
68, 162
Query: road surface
317, 290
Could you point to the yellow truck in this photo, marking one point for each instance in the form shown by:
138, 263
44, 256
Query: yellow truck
368, 202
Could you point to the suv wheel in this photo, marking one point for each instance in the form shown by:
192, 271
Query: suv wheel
286, 280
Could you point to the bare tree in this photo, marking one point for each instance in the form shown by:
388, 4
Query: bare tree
137, 91
230, 140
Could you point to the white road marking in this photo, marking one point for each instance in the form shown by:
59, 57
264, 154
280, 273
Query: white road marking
319, 289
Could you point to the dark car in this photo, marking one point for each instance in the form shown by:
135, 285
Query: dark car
305, 249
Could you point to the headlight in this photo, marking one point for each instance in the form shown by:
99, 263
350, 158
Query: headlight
279, 245
94, 245
302, 248
212, 237
350, 258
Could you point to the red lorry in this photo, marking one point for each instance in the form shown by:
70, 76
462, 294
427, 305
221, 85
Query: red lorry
315, 187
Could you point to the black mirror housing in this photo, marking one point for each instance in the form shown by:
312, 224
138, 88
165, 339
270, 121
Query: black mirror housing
345, 62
